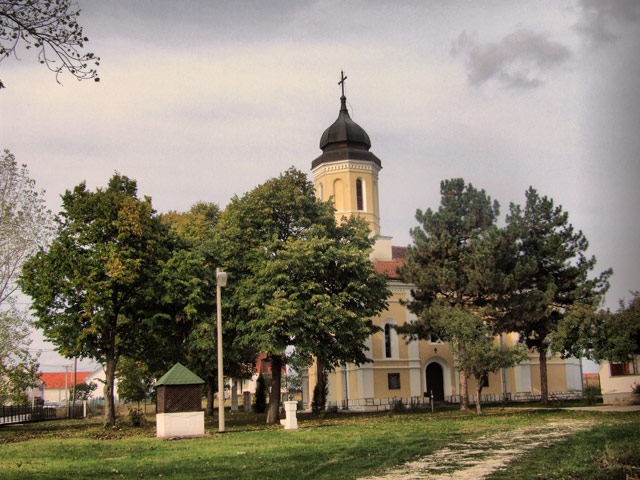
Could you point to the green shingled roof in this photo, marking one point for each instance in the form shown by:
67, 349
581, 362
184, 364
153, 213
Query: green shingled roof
179, 375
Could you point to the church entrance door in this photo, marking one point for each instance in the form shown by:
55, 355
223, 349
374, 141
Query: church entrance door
435, 382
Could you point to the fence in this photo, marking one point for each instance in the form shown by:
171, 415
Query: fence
26, 413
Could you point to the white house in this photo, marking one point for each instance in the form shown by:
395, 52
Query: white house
618, 379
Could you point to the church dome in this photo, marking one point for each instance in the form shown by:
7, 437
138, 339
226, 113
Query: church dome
344, 130
345, 139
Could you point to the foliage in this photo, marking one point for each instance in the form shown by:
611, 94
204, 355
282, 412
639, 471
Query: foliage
320, 392
261, 395
602, 335
18, 368
298, 279
95, 291
460, 264
52, 28
136, 417
134, 380
552, 274
190, 284
25, 226
591, 394
83, 391
398, 405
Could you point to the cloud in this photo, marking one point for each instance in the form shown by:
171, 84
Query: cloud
518, 61
600, 18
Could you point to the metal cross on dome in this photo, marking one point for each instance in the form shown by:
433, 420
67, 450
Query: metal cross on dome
341, 82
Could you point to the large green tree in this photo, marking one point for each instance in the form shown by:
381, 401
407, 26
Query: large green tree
94, 291
189, 277
552, 275
600, 335
297, 278
25, 226
460, 264
52, 28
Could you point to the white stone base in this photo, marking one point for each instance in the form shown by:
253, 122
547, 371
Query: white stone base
291, 421
181, 424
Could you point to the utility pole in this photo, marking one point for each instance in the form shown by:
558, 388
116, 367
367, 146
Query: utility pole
66, 387
75, 380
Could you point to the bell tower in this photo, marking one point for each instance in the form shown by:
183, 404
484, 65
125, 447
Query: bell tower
347, 171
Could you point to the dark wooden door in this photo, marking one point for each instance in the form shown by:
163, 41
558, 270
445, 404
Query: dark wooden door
435, 382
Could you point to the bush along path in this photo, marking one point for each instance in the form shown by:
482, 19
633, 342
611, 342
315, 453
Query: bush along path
478, 458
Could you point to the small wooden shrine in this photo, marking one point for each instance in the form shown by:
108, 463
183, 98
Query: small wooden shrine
179, 403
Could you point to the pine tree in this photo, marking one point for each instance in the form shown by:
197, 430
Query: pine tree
552, 275
460, 265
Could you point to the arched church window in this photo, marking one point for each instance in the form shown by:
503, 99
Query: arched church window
320, 192
359, 195
387, 340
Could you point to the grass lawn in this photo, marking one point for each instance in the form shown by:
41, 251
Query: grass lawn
336, 446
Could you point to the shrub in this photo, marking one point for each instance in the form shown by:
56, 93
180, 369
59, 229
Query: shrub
397, 405
319, 401
591, 394
261, 395
136, 417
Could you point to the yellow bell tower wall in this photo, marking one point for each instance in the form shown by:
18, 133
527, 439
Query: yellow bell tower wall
353, 186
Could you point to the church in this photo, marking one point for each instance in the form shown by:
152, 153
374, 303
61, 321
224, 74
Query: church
414, 372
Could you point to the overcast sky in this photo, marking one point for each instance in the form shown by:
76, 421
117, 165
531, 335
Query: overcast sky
201, 100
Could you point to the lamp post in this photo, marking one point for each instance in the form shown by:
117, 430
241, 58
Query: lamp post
221, 281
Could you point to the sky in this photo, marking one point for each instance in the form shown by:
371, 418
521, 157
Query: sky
203, 100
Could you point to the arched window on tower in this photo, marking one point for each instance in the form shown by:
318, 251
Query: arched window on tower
320, 192
359, 195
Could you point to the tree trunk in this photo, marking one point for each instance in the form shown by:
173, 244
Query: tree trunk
544, 386
464, 392
234, 395
478, 393
211, 388
464, 388
109, 405
273, 414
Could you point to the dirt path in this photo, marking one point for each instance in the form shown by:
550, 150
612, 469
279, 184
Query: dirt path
475, 459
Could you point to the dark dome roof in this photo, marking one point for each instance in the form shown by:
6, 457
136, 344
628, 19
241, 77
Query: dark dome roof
345, 139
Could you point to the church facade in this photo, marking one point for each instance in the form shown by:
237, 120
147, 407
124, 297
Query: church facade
348, 172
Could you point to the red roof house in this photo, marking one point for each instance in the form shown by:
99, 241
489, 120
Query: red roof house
54, 384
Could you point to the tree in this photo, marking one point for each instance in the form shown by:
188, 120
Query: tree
600, 335
298, 279
481, 355
95, 290
460, 265
320, 392
134, 380
189, 277
25, 226
82, 391
552, 275
52, 28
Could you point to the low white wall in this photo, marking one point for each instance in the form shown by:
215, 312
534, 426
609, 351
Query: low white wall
181, 424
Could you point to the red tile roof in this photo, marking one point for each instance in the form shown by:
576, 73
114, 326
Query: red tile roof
56, 379
390, 267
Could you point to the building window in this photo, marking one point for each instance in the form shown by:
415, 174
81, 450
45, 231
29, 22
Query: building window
394, 381
435, 339
387, 340
359, 195
320, 191
624, 368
